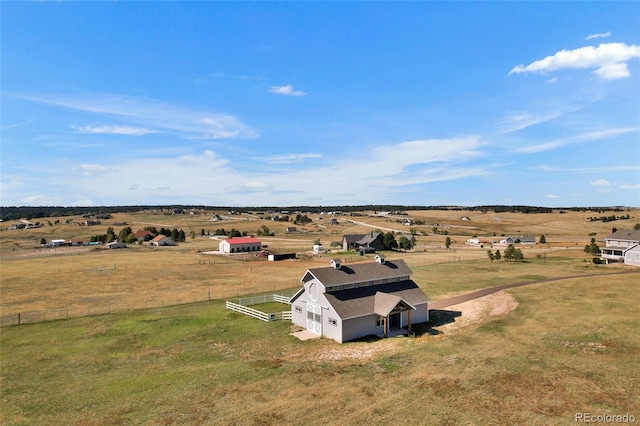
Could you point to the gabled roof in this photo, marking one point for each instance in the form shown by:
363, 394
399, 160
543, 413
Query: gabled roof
361, 301
361, 238
361, 272
160, 238
625, 235
384, 303
141, 233
246, 240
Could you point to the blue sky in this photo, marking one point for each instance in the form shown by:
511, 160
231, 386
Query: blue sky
337, 103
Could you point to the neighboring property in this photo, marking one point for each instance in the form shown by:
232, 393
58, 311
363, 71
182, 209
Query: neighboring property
115, 245
75, 242
240, 245
507, 241
618, 243
144, 235
527, 239
291, 229
357, 241
348, 302
162, 240
632, 256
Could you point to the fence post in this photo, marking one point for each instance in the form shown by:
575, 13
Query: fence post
209, 295
18, 318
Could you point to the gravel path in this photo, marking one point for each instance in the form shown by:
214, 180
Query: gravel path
486, 291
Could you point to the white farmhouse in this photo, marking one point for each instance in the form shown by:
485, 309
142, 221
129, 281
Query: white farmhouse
348, 302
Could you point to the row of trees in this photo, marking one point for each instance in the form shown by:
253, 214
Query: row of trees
126, 235
510, 254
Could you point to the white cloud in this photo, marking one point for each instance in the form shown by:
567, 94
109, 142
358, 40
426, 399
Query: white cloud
291, 158
601, 183
85, 202
91, 168
599, 35
609, 59
115, 130
286, 91
552, 196
521, 120
155, 116
628, 186
583, 137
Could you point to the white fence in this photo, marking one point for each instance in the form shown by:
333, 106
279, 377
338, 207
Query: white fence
243, 307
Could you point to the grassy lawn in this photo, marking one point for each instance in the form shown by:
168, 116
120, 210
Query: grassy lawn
570, 346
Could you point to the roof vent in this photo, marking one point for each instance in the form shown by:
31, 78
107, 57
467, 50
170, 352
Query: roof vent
335, 263
380, 259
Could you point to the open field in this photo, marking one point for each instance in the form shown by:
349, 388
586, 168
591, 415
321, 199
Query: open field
568, 347
62, 282
559, 348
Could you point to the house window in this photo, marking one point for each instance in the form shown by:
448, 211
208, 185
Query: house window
379, 321
299, 309
333, 322
348, 286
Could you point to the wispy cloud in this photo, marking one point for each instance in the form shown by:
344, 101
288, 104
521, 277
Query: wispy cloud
598, 35
628, 186
291, 158
553, 196
583, 137
600, 183
521, 120
609, 60
587, 169
154, 116
114, 130
92, 168
286, 91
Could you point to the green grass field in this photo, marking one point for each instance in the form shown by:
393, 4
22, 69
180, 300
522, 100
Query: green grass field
570, 346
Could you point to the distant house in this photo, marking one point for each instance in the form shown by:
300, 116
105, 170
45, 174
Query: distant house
357, 241
507, 241
115, 245
75, 242
57, 243
162, 240
240, 245
527, 239
618, 243
333, 221
291, 229
473, 241
348, 302
144, 235
408, 221
632, 256
465, 218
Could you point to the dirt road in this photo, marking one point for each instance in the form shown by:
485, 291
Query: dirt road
486, 291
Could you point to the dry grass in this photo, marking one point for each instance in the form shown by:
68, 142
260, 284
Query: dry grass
71, 281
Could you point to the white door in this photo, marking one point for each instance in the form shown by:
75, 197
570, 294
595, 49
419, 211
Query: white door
314, 318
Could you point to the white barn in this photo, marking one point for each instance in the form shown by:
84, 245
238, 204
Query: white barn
348, 302
240, 245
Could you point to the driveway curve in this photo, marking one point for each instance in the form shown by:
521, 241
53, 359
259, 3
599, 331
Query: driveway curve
439, 304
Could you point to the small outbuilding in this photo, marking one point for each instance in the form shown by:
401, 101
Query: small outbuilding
162, 240
240, 245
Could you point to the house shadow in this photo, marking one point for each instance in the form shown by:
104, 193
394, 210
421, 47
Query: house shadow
437, 318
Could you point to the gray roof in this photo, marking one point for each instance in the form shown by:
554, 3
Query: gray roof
625, 234
361, 238
359, 302
357, 273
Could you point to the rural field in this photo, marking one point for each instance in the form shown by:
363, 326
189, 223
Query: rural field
125, 356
